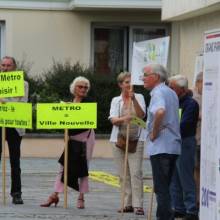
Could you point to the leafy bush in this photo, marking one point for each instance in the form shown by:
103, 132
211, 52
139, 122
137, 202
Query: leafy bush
53, 86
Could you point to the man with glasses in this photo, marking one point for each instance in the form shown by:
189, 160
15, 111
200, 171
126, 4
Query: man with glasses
13, 136
163, 140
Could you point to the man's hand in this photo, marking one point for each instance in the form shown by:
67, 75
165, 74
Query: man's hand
152, 136
158, 118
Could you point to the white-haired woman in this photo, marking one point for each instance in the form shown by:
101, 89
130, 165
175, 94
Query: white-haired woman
79, 88
119, 116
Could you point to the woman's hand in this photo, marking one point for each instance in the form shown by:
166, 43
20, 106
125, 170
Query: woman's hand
127, 118
131, 94
120, 120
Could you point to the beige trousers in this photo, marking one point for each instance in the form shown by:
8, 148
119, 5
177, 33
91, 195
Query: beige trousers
134, 177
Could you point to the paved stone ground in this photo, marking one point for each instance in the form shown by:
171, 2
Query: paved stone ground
37, 179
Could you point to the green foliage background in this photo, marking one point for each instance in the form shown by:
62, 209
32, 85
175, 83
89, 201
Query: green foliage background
53, 86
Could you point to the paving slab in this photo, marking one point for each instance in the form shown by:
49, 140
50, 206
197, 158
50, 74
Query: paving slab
38, 175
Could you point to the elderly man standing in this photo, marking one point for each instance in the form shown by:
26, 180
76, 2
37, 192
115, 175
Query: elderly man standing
163, 141
183, 190
14, 136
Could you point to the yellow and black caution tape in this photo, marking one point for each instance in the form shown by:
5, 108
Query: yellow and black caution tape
110, 179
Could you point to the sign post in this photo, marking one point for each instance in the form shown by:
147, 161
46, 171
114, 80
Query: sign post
65, 167
16, 115
12, 115
12, 85
66, 116
3, 168
198, 67
148, 52
210, 141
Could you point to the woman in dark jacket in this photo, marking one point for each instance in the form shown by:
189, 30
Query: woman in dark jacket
78, 157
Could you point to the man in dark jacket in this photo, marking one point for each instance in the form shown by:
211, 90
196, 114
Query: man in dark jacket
183, 190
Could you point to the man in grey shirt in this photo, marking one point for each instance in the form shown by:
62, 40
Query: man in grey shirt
163, 139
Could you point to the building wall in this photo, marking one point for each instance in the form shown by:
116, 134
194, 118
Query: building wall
80, 4
189, 41
187, 8
40, 36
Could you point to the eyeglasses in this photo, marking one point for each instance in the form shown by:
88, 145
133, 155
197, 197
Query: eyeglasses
148, 74
82, 87
6, 65
127, 82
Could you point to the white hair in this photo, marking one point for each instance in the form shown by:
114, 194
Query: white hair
159, 70
180, 81
76, 80
199, 76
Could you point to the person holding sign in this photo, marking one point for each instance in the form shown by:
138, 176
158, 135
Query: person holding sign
80, 147
183, 188
14, 136
120, 116
163, 136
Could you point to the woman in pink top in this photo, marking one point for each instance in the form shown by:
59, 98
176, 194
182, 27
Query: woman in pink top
79, 88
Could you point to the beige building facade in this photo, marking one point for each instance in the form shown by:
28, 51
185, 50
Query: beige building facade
96, 35
190, 19
101, 35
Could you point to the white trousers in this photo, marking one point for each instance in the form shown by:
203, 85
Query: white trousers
134, 177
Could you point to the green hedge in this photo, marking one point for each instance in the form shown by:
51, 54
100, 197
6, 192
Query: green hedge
53, 86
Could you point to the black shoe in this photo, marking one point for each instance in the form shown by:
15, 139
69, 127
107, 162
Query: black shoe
191, 217
179, 214
17, 200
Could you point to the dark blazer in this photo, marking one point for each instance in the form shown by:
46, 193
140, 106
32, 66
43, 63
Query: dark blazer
189, 118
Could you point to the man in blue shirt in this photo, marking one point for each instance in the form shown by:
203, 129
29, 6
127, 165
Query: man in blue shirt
183, 190
163, 140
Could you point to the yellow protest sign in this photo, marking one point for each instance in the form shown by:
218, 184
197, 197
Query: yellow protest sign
110, 179
137, 121
66, 115
16, 115
11, 84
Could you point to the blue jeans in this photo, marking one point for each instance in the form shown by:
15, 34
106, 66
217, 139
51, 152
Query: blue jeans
183, 189
163, 166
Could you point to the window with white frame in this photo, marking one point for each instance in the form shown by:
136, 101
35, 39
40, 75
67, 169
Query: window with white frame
112, 45
2, 39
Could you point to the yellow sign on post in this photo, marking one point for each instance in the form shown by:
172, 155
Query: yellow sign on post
11, 84
16, 115
66, 115
137, 121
